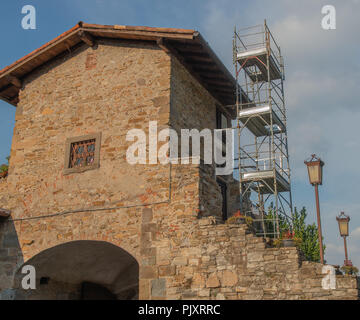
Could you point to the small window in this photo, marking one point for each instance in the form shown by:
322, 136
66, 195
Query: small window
221, 123
223, 188
221, 119
82, 153
44, 280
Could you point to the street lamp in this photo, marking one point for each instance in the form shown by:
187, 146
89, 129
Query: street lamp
314, 166
343, 221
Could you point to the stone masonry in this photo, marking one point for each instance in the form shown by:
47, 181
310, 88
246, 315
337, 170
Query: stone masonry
227, 261
168, 217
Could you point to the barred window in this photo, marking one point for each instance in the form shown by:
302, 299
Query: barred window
82, 153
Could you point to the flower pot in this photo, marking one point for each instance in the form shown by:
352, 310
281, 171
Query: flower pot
240, 220
3, 174
288, 243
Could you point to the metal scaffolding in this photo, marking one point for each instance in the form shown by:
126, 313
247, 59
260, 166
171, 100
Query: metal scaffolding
262, 155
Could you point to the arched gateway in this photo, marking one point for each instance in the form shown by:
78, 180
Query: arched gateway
83, 269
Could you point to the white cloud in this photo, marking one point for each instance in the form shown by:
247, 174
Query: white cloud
355, 233
332, 248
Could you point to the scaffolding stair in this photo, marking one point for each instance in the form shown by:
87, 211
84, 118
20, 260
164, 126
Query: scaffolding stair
258, 120
266, 181
258, 58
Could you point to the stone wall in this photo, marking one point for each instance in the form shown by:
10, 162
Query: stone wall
227, 261
193, 107
10, 253
111, 89
126, 86
10, 258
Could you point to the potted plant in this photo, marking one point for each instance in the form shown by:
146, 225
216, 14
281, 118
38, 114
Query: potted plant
3, 171
349, 270
239, 218
4, 168
287, 239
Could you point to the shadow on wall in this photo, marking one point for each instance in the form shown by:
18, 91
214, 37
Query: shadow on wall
10, 258
82, 270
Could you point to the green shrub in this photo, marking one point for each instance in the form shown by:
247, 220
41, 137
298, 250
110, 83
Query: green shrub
349, 270
304, 234
5, 167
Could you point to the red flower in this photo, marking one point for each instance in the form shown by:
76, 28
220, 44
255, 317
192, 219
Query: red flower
288, 235
238, 214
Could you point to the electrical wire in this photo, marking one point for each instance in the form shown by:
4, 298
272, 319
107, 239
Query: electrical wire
96, 209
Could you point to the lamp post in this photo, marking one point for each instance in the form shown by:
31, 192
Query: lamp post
314, 166
343, 221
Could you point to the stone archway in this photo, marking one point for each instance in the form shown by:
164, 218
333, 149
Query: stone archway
83, 269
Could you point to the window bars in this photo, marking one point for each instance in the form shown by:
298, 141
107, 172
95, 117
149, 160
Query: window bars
82, 153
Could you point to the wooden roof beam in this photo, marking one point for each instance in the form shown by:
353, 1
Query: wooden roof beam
212, 76
2, 90
196, 54
223, 90
87, 38
14, 101
181, 59
205, 68
212, 54
14, 81
160, 42
120, 32
219, 83
199, 59
190, 48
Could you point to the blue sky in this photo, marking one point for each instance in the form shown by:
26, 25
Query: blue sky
322, 79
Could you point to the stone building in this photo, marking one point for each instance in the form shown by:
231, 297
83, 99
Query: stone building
110, 229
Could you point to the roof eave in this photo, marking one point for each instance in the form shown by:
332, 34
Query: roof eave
22, 67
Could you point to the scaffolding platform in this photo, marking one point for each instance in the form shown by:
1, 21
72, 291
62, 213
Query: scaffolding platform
257, 120
258, 57
266, 181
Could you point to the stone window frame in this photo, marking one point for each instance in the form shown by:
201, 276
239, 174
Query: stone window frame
70, 141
